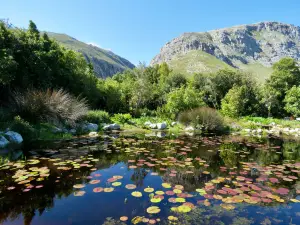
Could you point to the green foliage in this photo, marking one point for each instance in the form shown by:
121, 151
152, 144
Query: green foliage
121, 118
203, 118
51, 106
175, 81
183, 99
28, 132
292, 100
286, 74
97, 117
240, 101
28, 60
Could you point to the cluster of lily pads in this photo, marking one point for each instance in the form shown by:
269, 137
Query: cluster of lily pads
248, 183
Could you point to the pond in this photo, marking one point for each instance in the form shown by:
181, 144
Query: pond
145, 180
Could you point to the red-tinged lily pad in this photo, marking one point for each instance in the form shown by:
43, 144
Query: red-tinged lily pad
94, 181
172, 200
123, 218
273, 180
172, 175
112, 179
208, 196
98, 189
180, 187
170, 193
78, 186
222, 192
97, 175
26, 190
11, 188
39, 186
130, 186
282, 191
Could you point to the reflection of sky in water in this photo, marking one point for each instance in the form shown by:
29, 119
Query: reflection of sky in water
39, 206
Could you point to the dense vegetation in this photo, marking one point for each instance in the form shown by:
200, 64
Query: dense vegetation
33, 68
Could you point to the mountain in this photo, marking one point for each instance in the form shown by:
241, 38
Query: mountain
254, 48
105, 62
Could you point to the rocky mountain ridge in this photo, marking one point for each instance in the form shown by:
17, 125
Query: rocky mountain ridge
262, 43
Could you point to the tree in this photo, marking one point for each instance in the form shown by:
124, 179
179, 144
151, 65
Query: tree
285, 75
292, 100
32, 29
240, 101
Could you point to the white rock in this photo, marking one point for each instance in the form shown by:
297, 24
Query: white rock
93, 134
147, 124
173, 124
3, 142
14, 137
247, 130
153, 126
298, 119
112, 127
189, 128
90, 127
161, 126
259, 131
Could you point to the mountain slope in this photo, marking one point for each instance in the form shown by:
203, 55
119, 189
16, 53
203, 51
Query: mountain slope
105, 62
254, 48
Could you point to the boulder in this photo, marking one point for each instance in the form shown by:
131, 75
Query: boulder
161, 126
153, 126
3, 142
112, 127
189, 128
90, 127
298, 119
173, 124
93, 134
14, 137
147, 124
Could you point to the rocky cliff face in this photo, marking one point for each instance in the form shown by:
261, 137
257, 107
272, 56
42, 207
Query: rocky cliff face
105, 62
264, 43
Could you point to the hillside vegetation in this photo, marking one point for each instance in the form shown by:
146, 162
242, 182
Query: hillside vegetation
252, 48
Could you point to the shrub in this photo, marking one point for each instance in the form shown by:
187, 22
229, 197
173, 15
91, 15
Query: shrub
121, 118
50, 106
97, 116
204, 118
240, 101
292, 100
27, 131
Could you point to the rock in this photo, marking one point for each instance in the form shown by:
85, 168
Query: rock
160, 134
189, 128
90, 127
115, 126
298, 119
56, 130
14, 137
259, 131
247, 130
162, 126
72, 131
3, 142
93, 134
112, 127
147, 124
173, 124
153, 126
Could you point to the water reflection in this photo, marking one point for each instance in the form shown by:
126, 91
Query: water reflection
192, 162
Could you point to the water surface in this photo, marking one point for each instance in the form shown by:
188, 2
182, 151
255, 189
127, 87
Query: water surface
190, 180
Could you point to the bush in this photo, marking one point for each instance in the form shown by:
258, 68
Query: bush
121, 118
27, 131
203, 118
97, 116
48, 106
292, 100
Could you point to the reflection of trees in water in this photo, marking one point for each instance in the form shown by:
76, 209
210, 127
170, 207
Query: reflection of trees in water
138, 176
291, 151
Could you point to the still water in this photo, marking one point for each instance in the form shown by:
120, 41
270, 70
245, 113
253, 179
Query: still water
141, 180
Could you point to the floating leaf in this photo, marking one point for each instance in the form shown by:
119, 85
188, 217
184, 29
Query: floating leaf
166, 185
148, 190
94, 181
123, 218
137, 194
153, 210
130, 186
78, 186
108, 189
115, 184
172, 218
98, 189
79, 193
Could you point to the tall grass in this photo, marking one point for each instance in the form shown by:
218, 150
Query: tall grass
204, 118
53, 106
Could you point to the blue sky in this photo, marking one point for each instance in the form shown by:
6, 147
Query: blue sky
137, 29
